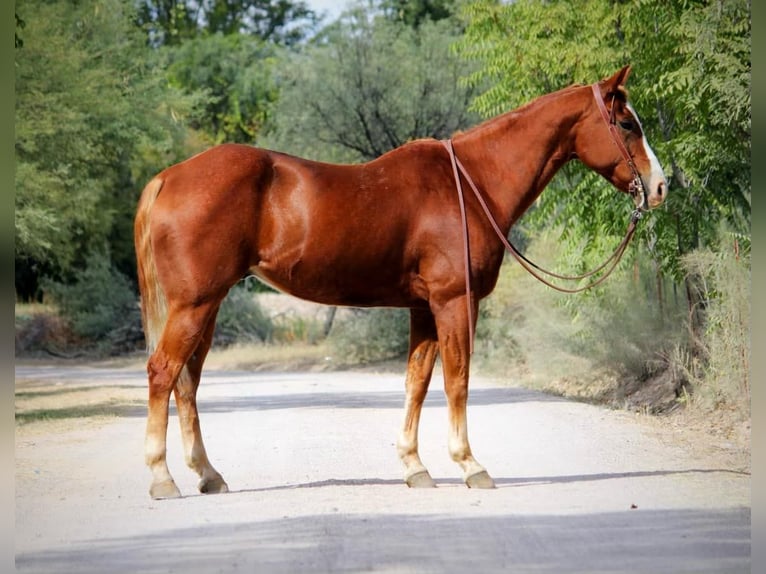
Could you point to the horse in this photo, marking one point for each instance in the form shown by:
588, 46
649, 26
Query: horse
383, 233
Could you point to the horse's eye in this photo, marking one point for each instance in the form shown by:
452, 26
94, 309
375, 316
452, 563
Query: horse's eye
626, 125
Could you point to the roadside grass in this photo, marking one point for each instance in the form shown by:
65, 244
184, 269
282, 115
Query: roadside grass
27, 310
110, 409
594, 346
264, 356
51, 403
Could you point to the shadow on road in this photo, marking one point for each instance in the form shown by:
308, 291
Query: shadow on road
365, 400
500, 482
631, 541
319, 400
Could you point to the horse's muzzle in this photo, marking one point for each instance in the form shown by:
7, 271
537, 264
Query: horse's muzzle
657, 193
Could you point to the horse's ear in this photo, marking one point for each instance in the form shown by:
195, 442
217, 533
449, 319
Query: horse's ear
622, 76
617, 82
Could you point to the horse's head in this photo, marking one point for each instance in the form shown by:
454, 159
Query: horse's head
611, 141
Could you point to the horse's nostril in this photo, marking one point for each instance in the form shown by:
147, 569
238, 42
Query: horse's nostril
661, 189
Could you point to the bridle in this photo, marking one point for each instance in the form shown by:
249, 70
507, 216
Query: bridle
636, 186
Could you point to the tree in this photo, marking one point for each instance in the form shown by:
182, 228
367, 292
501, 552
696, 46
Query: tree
701, 94
369, 86
171, 22
703, 110
91, 116
223, 53
234, 76
691, 86
415, 12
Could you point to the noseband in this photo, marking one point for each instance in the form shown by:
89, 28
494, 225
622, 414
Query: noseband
636, 186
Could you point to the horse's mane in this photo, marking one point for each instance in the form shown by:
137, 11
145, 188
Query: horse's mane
542, 99
621, 93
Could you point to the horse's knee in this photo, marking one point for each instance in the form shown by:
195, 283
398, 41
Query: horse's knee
161, 375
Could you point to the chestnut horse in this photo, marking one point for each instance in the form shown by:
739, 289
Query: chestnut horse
387, 233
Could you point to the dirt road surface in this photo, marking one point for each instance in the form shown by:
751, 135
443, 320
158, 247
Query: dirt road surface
316, 485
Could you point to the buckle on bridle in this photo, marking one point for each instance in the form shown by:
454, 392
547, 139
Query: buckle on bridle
637, 187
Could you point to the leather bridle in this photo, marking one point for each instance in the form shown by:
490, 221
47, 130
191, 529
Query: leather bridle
636, 187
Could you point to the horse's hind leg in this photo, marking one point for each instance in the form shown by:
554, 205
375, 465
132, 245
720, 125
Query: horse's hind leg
180, 338
186, 401
422, 355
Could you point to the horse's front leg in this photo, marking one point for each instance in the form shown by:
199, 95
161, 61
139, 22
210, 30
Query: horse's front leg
420, 365
452, 328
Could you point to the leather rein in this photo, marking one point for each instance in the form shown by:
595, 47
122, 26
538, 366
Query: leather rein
636, 187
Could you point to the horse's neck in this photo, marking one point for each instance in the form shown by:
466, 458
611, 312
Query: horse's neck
513, 156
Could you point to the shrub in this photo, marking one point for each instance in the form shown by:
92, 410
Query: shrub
241, 319
720, 370
592, 344
42, 331
293, 328
99, 304
369, 335
501, 326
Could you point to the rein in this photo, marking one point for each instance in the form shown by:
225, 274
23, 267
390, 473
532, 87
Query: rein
636, 186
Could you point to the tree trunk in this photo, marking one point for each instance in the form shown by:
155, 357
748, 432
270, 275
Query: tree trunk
329, 319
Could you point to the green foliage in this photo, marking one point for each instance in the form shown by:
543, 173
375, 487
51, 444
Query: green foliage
500, 347
698, 81
90, 114
370, 335
690, 85
370, 85
167, 21
234, 78
623, 327
241, 319
40, 327
415, 12
18, 40
172, 22
99, 302
528, 48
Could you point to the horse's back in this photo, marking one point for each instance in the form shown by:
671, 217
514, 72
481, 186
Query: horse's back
216, 169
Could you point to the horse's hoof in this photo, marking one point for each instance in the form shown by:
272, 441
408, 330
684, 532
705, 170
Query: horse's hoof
215, 485
480, 480
165, 489
420, 480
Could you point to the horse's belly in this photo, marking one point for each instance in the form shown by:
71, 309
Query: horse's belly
364, 286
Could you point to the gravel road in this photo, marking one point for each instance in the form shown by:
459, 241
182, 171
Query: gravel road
316, 486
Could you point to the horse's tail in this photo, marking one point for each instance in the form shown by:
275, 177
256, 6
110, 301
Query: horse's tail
154, 309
